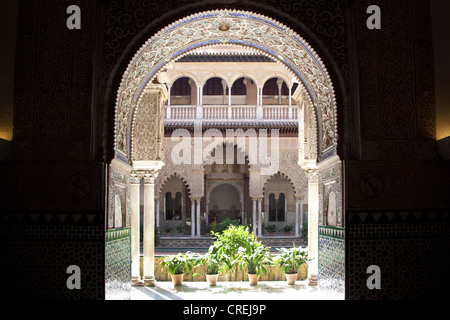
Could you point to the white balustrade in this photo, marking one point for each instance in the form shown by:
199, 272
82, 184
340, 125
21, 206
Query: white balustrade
231, 113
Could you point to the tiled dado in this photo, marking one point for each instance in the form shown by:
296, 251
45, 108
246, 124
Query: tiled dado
118, 264
36, 248
332, 259
411, 248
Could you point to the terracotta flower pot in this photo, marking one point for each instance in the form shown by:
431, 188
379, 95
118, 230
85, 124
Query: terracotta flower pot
212, 279
291, 278
177, 279
253, 279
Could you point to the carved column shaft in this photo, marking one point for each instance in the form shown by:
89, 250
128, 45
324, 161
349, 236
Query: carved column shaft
149, 228
254, 216
192, 217
260, 217
313, 225
135, 230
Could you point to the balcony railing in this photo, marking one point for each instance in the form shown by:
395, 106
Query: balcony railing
217, 113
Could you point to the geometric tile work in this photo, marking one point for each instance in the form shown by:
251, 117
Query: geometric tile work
37, 248
332, 259
118, 264
412, 249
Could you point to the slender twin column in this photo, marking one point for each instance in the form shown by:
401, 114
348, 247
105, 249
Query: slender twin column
298, 202
135, 230
313, 225
149, 177
195, 217
254, 215
149, 228
257, 223
260, 217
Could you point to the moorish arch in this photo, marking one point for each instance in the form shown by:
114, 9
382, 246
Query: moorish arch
139, 117
241, 28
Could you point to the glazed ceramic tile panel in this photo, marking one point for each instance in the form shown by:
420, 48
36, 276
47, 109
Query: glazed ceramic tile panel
332, 259
118, 264
118, 200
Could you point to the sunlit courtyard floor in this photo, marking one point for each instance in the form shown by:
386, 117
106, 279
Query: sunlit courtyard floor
277, 290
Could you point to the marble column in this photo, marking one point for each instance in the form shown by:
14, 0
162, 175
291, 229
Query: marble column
192, 217
298, 214
254, 216
260, 217
313, 225
198, 218
157, 212
280, 86
301, 213
149, 228
296, 218
135, 230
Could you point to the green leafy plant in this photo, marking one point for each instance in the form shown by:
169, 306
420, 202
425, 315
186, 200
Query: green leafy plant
291, 259
228, 243
168, 229
210, 262
157, 236
181, 227
205, 228
254, 258
222, 226
304, 231
180, 263
287, 228
271, 228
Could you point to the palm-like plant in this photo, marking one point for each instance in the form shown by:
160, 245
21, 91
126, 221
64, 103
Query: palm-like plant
254, 257
210, 262
181, 263
291, 259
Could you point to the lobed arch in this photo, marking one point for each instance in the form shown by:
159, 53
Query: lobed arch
284, 176
164, 180
224, 144
181, 37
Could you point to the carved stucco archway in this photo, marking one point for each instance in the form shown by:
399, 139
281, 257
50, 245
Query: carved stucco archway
315, 95
246, 29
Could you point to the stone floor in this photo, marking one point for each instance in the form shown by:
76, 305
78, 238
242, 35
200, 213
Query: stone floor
278, 290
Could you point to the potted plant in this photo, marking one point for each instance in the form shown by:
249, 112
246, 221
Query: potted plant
168, 230
210, 263
180, 229
271, 228
290, 261
253, 258
205, 228
287, 229
228, 243
178, 265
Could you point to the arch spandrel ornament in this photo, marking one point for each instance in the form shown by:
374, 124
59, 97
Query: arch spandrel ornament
245, 29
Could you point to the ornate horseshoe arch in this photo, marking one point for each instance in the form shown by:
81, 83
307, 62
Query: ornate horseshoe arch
226, 27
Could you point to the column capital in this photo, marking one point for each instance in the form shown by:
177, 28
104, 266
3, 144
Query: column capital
300, 196
149, 176
312, 174
135, 178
